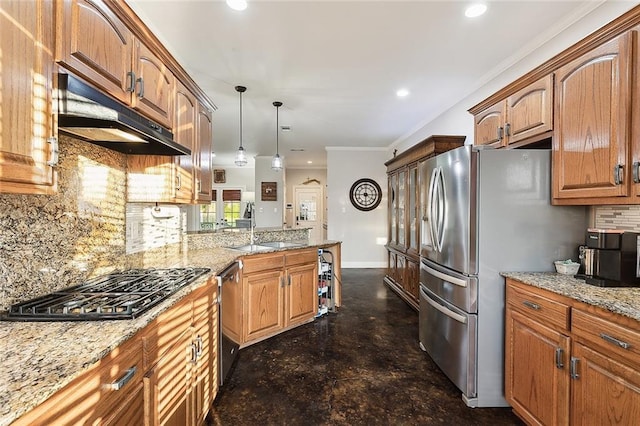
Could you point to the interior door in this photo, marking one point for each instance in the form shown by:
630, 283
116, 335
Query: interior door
309, 210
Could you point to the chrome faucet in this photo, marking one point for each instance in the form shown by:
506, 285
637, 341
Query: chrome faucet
253, 224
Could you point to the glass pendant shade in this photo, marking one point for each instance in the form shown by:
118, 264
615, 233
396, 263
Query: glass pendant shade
241, 157
276, 161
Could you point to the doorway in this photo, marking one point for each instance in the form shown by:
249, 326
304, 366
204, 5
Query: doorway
309, 210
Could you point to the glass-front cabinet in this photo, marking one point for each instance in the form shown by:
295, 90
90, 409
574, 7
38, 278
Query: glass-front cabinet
403, 244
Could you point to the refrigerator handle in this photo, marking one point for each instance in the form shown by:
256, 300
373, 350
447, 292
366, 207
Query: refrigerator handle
430, 209
442, 206
448, 312
444, 277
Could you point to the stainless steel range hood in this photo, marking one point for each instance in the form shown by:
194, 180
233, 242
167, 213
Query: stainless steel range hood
89, 114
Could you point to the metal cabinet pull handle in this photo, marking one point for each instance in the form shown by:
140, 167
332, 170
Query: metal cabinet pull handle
289, 279
559, 353
199, 185
500, 133
194, 353
53, 141
636, 172
531, 305
617, 342
574, 368
178, 182
617, 174
507, 129
122, 381
199, 346
141, 91
131, 78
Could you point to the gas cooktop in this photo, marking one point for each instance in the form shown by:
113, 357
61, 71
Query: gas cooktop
119, 295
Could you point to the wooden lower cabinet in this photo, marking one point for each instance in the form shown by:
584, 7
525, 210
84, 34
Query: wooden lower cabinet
180, 348
403, 277
537, 389
279, 291
109, 393
578, 366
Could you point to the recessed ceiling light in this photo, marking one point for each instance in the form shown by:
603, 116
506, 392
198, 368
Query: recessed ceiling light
285, 128
402, 93
475, 10
297, 149
237, 4
309, 162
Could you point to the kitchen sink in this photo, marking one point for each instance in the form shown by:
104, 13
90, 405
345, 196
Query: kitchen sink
250, 248
282, 244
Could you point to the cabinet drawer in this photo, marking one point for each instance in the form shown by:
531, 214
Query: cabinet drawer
93, 397
538, 307
262, 262
606, 334
300, 257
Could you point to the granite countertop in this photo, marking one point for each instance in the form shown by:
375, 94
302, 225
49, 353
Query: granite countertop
39, 358
620, 300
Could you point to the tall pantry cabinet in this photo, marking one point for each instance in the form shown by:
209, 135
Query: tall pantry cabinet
405, 214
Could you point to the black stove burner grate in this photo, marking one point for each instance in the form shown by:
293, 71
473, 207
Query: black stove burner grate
120, 295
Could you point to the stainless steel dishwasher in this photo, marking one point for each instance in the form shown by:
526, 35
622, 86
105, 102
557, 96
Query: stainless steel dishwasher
228, 347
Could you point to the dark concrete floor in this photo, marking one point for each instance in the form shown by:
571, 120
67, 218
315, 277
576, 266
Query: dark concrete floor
359, 366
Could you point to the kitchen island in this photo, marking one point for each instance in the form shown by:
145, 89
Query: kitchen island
40, 358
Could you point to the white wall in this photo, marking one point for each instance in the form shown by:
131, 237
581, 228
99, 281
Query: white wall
363, 234
458, 121
269, 214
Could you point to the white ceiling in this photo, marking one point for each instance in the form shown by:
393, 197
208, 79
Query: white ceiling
336, 65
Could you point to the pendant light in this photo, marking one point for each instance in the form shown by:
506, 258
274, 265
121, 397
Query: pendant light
241, 157
276, 162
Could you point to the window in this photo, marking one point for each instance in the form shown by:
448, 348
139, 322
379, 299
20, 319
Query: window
208, 213
231, 205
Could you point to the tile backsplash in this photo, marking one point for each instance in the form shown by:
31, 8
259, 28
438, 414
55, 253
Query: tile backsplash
617, 217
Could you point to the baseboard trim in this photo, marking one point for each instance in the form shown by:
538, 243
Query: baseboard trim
347, 265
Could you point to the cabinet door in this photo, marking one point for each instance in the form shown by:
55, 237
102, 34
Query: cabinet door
205, 370
412, 280
302, 293
391, 269
489, 126
393, 209
184, 132
264, 303
605, 392
154, 86
401, 264
413, 244
536, 371
95, 44
25, 111
402, 196
530, 111
591, 123
150, 178
202, 155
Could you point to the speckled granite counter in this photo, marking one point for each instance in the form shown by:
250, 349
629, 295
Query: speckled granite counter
39, 358
623, 301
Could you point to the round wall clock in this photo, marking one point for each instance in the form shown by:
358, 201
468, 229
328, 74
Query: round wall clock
365, 194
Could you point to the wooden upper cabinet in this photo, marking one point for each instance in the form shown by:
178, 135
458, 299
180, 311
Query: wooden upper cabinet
530, 111
154, 86
489, 126
202, 155
94, 43
592, 116
525, 115
184, 131
26, 124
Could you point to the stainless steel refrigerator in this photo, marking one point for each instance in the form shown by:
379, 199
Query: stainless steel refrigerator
484, 211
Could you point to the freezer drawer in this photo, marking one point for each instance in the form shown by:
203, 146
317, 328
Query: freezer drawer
448, 335
460, 290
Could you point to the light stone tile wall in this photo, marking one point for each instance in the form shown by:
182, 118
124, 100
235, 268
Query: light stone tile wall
617, 217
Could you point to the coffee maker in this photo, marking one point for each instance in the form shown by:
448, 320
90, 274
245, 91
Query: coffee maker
609, 258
